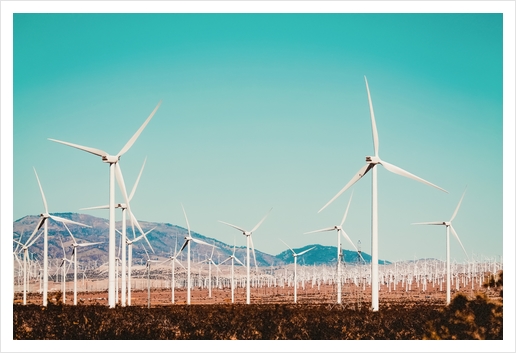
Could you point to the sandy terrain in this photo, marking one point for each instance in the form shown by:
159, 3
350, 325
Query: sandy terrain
351, 295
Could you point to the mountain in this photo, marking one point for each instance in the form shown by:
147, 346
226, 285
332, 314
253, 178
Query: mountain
324, 255
163, 240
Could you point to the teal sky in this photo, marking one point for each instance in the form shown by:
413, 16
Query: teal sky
268, 110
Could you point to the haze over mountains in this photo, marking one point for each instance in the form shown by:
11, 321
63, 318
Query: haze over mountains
165, 238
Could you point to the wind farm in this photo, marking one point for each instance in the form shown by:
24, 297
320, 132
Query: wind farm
251, 123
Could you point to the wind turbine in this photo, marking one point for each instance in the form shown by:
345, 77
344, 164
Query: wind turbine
173, 259
371, 162
43, 221
25, 247
130, 262
114, 168
449, 226
233, 258
295, 266
189, 238
210, 261
64, 271
340, 232
249, 239
124, 207
148, 266
76, 245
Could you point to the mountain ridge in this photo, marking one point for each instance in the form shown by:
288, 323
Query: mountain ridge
164, 239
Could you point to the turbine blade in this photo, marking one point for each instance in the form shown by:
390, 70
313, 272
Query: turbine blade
42, 193
95, 207
18, 241
363, 171
121, 184
74, 241
201, 242
254, 253
17, 260
236, 227
457, 209
376, 143
430, 223
347, 209
137, 181
237, 260
321, 230
88, 244
187, 224
64, 252
186, 243
259, 223
345, 235
38, 226
288, 246
91, 150
180, 264
229, 258
305, 251
397, 170
64, 220
458, 239
137, 134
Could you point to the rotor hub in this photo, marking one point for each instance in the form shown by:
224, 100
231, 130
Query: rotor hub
110, 159
372, 160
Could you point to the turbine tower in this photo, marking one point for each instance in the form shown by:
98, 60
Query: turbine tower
43, 221
295, 266
124, 208
76, 245
249, 240
449, 226
114, 168
340, 232
371, 162
187, 244
232, 257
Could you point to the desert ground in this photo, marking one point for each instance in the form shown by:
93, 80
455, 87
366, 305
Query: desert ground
161, 294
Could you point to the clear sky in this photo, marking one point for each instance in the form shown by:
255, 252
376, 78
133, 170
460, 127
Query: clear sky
268, 110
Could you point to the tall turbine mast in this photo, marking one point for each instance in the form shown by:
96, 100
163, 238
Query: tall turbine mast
371, 162
114, 169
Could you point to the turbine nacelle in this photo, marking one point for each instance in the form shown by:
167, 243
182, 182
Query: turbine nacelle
110, 159
373, 160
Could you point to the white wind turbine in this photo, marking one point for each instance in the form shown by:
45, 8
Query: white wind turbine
64, 272
25, 247
173, 259
114, 168
449, 226
295, 266
249, 240
43, 221
371, 162
210, 261
233, 258
189, 238
76, 245
130, 261
124, 207
340, 232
